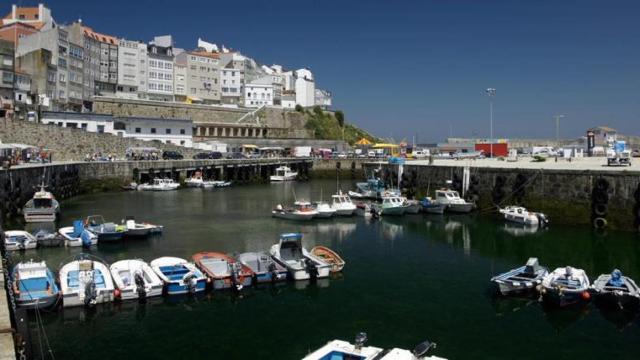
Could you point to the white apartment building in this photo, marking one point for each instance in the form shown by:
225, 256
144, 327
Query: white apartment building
232, 83
203, 76
132, 69
160, 69
180, 80
259, 93
305, 88
96, 123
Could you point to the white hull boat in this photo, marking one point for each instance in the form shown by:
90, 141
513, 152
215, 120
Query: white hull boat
522, 279
283, 173
85, 282
412, 207
302, 211
179, 275
43, 207
135, 279
135, 229
324, 210
342, 204
159, 185
565, 286
300, 264
34, 286
520, 215
77, 235
391, 205
452, 202
19, 240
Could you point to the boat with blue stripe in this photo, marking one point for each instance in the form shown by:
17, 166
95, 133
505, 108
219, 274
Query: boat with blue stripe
179, 275
34, 285
521, 279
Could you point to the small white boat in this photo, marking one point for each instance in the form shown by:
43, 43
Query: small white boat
339, 349
159, 185
34, 286
342, 204
324, 210
135, 229
19, 240
300, 264
391, 205
85, 282
43, 207
77, 235
521, 279
302, 210
216, 184
565, 286
452, 201
364, 209
412, 206
195, 181
284, 173
520, 215
135, 279
179, 275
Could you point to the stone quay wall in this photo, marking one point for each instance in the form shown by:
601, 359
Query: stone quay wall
566, 196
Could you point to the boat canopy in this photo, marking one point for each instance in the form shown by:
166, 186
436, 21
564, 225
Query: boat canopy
291, 237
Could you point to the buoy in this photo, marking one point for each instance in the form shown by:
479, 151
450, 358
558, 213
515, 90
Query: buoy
117, 293
586, 296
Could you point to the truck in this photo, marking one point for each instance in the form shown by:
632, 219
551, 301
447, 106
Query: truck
302, 151
618, 154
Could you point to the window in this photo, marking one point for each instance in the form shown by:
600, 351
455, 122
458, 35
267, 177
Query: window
138, 130
167, 131
182, 131
153, 130
83, 126
181, 142
100, 129
168, 66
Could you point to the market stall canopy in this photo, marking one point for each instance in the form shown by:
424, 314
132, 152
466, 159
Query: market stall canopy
383, 146
363, 141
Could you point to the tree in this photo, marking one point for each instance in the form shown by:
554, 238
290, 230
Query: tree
340, 118
318, 110
299, 108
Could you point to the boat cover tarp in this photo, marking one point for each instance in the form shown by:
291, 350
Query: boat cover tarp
616, 279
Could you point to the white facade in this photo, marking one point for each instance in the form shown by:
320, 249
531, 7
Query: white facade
160, 69
168, 131
259, 93
132, 69
305, 88
180, 82
323, 98
88, 122
232, 83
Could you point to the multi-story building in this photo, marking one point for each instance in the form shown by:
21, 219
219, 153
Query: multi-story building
305, 88
132, 69
38, 16
277, 80
160, 69
202, 77
259, 92
180, 78
7, 73
103, 59
43, 72
232, 83
322, 98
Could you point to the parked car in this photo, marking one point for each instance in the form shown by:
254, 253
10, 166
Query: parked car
636, 153
208, 155
236, 155
172, 155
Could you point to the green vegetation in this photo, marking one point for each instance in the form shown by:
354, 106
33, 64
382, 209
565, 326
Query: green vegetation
328, 125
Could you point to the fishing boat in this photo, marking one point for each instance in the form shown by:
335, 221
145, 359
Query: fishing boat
412, 206
324, 210
34, 285
616, 290
329, 256
179, 275
371, 189
391, 205
77, 235
452, 201
47, 238
339, 349
135, 279
140, 230
265, 270
284, 173
106, 231
521, 279
85, 282
223, 271
520, 215
195, 181
565, 286
364, 209
159, 185
43, 207
431, 207
302, 210
342, 204
19, 240
300, 264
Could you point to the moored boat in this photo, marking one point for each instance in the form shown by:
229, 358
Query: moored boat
520, 215
43, 207
565, 286
85, 282
371, 189
301, 210
264, 268
106, 231
329, 256
46, 238
19, 240
412, 206
521, 279
135, 279
159, 185
300, 264
616, 290
364, 209
140, 230
324, 210
77, 235
431, 207
179, 275
452, 201
34, 285
283, 173
195, 181
342, 204
223, 271
391, 205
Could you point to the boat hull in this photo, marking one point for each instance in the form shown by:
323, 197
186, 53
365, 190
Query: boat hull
345, 212
268, 277
617, 301
276, 178
74, 299
178, 287
40, 216
393, 211
460, 208
324, 215
557, 298
109, 237
293, 216
434, 209
227, 283
40, 303
131, 293
506, 288
412, 209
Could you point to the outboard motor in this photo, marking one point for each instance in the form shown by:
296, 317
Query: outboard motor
542, 219
273, 271
423, 348
90, 294
312, 268
361, 339
140, 289
235, 276
85, 236
191, 282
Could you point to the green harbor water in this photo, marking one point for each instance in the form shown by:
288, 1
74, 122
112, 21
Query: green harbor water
406, 280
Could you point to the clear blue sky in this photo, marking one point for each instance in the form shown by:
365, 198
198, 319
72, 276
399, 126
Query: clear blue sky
405, 67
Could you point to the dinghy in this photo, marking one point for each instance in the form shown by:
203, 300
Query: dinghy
85, 282
135, 279
179, 275
522, 279
223, 271
565, 286
431, 207
302, 211
19, 240
34, 285
140, 230
46, 238
43, 207
300, 264
411, 206
330, 257
265, 270
520, 215
616, 290
77, 235
106, 231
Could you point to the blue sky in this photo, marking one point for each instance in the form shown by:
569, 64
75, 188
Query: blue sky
401, 68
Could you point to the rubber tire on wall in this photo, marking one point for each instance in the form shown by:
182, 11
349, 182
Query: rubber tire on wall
602, 184
600, 197
599, 223
600, 210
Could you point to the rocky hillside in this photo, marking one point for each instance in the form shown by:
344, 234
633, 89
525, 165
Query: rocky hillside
326, 125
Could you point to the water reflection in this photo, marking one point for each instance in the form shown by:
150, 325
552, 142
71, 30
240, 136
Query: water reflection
519, 230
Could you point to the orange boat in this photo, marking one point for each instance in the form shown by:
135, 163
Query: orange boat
330, 257
223, 271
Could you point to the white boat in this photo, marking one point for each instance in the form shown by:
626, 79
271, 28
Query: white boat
412, 206
85, 282
284, 173
135, 229
195, 181
565, 286
179, 275
452, 201
391, 205
339, 349
77, 235
135, 279
43, 207
216, 184
521, 279
520, 215
300, 264
342, 204
19, 240
159, 185
324, 210
302, 210
364, 209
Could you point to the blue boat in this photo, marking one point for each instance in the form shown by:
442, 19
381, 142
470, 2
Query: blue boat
429, 206
265, 269
34, 285
106, 231
179, 275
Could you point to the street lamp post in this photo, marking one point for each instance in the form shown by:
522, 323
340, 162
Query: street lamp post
558, 117
491, 92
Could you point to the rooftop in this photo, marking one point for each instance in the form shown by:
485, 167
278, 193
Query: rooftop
98, 36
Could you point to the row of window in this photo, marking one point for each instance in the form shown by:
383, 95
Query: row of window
262, 96
154, 131
160, 87
160, 76
160, 64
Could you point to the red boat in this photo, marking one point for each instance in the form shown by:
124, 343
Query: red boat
223, 271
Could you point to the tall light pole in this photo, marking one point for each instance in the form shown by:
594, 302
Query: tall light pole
558, 117
491, 92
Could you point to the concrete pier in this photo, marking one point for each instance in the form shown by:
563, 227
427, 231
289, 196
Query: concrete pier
7, 347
